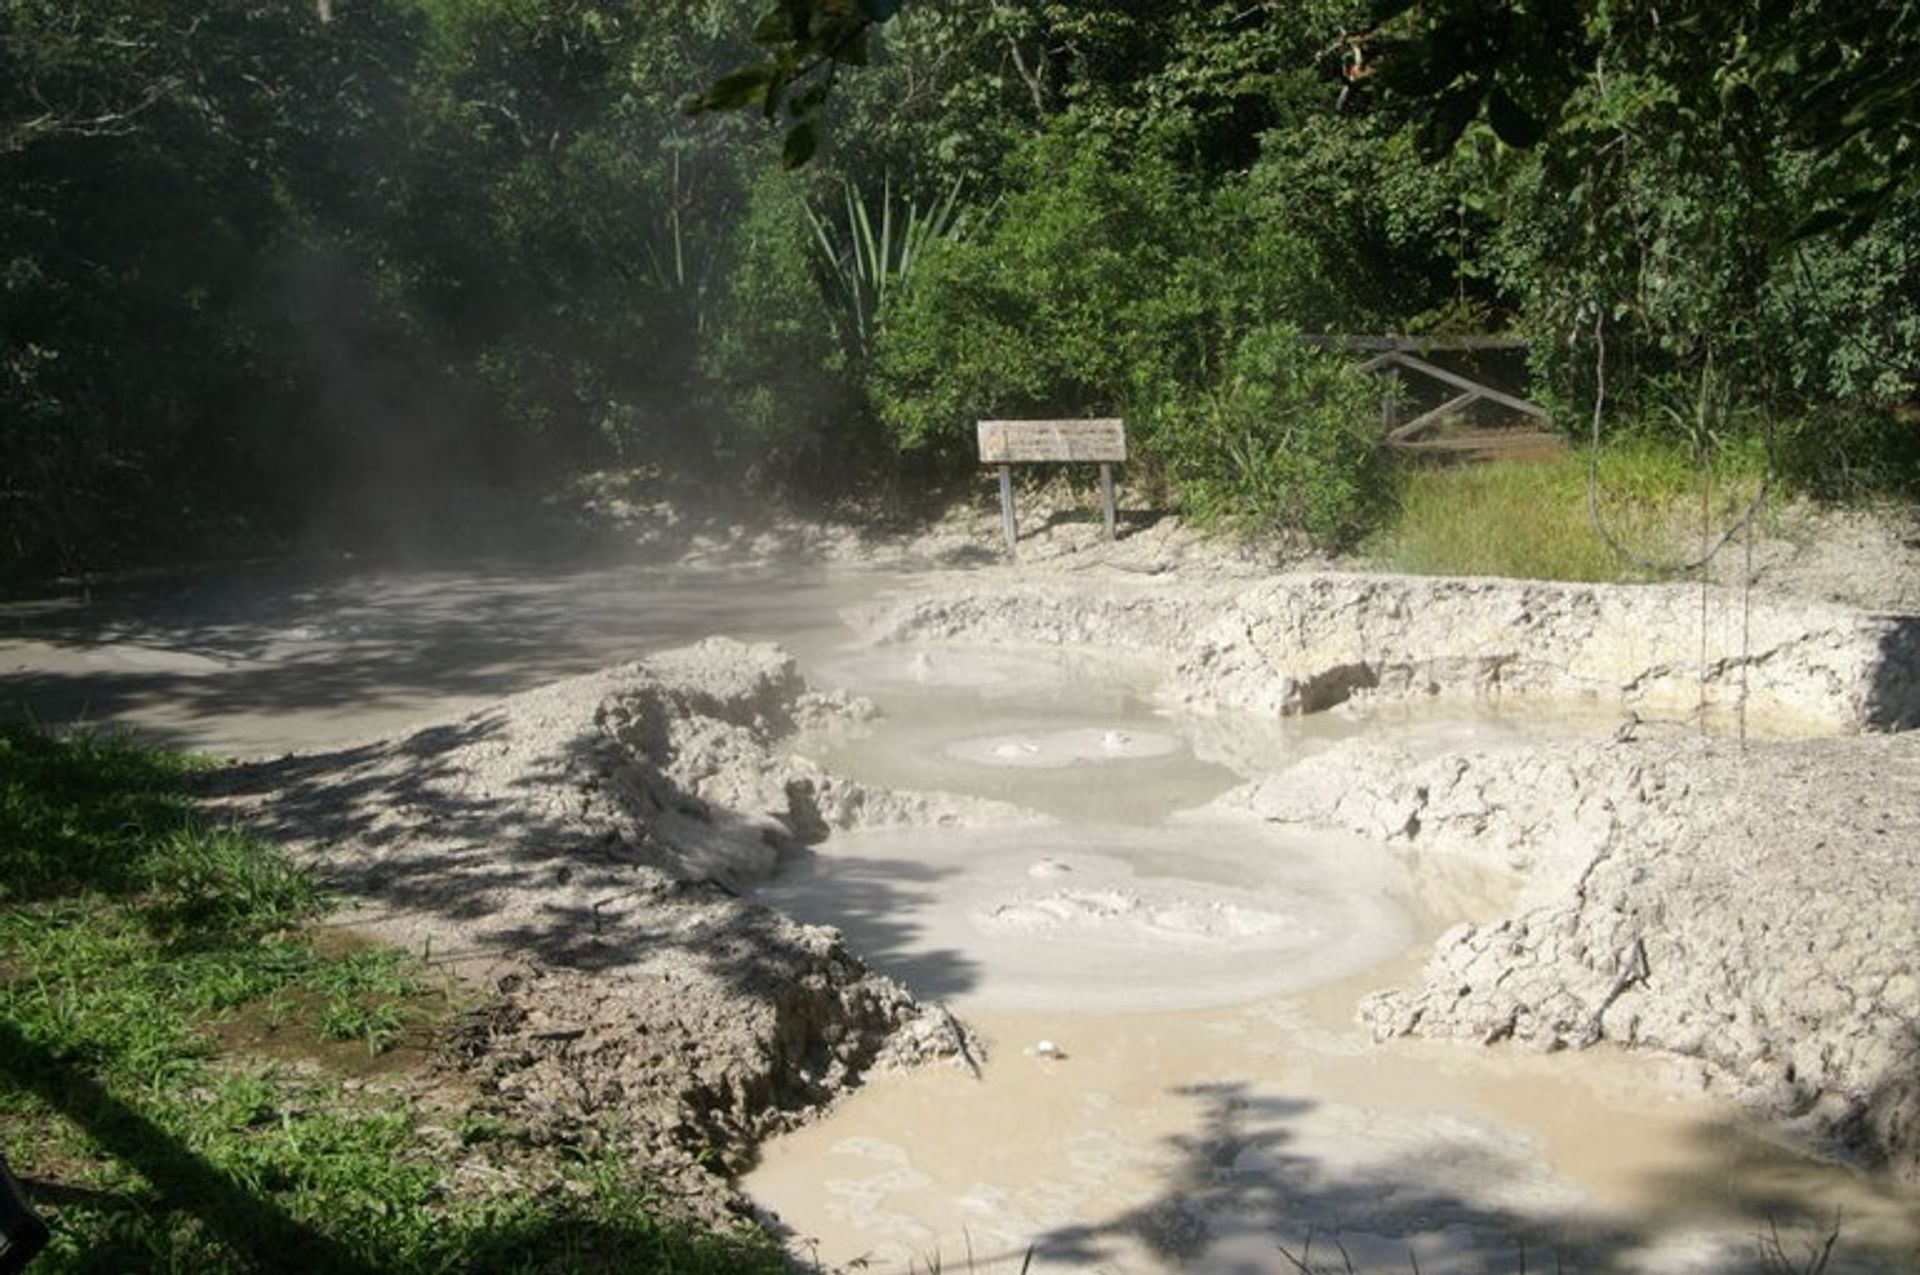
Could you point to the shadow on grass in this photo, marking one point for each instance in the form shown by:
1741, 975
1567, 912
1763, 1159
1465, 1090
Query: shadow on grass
257, 1234
82, 814
253, 1227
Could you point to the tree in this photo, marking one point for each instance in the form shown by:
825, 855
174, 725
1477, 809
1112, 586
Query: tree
1838, 78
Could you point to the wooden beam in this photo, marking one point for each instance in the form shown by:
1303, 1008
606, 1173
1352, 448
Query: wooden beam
1427, 420
1454, 379
1106, 497
1007, 526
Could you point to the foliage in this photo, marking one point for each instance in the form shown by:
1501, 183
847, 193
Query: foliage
285, 273
1082, 296
133, 941
148, 159
1846, 452
807, 42
865, 261
1652, 238
1833, 79
1285, 439
780, 372
1384, 242
1665, 184
1112, 282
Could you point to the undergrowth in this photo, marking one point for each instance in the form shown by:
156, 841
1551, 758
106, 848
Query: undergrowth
137, 946
1531, 519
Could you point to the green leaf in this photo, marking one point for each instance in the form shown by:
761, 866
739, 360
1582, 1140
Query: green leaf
779, 77
741, 88
803, 139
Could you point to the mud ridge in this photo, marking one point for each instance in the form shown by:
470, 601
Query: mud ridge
1309, 641
575, 853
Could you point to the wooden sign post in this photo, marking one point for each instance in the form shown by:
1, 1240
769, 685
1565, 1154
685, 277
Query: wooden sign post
1010, 443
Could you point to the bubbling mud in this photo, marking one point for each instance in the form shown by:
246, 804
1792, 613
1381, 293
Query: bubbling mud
1104, 917
1166, 980
1053, 750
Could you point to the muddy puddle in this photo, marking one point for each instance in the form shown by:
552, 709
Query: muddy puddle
1175, 1081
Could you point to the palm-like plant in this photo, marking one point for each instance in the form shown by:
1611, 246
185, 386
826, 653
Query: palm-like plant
865, 259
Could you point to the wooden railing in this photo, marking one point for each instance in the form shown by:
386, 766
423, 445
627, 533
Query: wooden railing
1394, 356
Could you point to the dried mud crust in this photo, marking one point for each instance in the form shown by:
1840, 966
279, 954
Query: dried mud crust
574, 852
1751, 910
1303, 642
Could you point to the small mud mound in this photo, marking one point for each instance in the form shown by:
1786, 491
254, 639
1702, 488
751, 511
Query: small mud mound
576, 850
699, 1061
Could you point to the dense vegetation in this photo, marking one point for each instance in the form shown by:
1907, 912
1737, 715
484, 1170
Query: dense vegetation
273, 271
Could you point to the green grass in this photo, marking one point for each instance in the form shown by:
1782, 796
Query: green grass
189, 1082
1530, 519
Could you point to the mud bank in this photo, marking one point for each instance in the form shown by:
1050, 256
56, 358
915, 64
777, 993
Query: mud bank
1751, 910
574, 852
1306, 642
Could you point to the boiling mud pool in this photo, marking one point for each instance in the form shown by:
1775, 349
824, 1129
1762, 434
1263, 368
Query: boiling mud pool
1174, 1080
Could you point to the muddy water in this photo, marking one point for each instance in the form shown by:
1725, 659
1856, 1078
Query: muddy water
1174, 1082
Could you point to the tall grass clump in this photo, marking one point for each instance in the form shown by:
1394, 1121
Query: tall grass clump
1531, 519
1285, 439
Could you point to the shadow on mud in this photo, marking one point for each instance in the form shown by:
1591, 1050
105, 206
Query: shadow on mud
870, 899
192, 660
1894, 698
1243, 1195
602, 898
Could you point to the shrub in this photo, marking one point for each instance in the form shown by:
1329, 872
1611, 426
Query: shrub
1085, 295
1112, 282
781, 374
1285, 438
